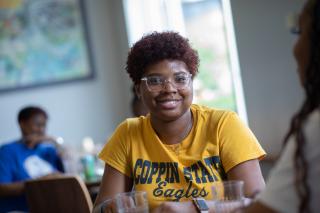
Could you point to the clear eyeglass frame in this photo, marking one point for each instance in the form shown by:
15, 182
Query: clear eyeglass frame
160, 82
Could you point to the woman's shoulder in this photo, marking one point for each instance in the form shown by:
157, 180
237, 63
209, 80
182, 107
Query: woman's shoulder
312, 127
135, 121
314, 118
131, 124
215, 113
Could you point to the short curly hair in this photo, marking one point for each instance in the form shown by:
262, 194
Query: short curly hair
28, 112
158, 46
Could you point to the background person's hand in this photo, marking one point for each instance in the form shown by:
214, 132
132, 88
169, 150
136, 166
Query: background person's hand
33, 139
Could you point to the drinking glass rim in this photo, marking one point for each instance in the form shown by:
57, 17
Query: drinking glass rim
227, 190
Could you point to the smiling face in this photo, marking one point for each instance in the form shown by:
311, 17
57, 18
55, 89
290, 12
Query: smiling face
170, 103
302, 46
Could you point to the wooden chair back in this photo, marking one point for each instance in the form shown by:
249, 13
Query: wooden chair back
58, 194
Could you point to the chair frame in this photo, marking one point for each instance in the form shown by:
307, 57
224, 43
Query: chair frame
58, 194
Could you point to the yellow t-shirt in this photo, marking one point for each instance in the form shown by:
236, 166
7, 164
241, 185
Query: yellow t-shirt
217, 142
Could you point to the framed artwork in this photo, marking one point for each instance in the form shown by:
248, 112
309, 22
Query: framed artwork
43, 42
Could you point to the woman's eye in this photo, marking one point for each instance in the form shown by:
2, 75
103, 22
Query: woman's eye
154, 80
181, 79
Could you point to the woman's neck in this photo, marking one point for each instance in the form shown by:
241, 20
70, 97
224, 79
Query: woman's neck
173, 132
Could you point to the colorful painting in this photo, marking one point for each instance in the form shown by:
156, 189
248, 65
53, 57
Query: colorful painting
42, 42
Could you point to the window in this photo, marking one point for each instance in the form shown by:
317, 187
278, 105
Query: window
208, 25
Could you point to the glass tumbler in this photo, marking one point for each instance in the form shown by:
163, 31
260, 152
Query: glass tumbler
132, 202
228, 195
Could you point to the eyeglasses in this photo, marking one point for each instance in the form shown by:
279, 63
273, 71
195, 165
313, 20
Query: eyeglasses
157, 83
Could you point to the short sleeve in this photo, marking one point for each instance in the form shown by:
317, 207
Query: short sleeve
236, 142
280, 190
116, 152
5, 168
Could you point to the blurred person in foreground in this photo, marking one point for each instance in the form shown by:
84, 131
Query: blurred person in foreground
32, 156
294, 185
178, 149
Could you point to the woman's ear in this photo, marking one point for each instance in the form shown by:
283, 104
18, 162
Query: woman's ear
137, 90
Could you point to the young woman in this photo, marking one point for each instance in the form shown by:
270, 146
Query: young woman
177, 150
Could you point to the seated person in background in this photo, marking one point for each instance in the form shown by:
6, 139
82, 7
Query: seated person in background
34, 155
137, 106
177, 150
293, 184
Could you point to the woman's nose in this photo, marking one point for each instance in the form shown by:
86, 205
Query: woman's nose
169, 86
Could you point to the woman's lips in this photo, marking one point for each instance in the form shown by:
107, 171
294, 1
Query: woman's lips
168, 104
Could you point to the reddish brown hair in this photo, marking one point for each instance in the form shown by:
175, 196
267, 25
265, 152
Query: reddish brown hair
157, 46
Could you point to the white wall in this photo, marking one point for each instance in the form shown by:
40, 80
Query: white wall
87, 108
271, 87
